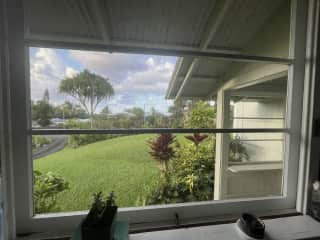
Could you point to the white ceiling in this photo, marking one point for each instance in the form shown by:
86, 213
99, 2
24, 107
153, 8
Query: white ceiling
197, 25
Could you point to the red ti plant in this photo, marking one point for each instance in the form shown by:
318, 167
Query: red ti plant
161, 149
196, 138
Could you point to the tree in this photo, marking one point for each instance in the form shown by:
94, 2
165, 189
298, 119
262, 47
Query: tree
202, 115
42, 110
137, 116
106, 111
46, 96
68, 110
156, 119
176, 114
88, 89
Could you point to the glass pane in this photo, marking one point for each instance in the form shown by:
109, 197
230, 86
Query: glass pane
241, 94
146, 169
262, 105
99, 90
255, 166
153, 169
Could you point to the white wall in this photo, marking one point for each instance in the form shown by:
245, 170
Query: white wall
267, 113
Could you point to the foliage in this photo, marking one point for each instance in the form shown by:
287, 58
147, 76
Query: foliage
162, 192
77, 140
88, 89
40, 141
68, 110
76, 124
193, 171
196, 138
176, 114
190, 178
105, 111
202, 115
46, 188
46, 96
156, 119
161, 149
41, 113
137, 117
237, 151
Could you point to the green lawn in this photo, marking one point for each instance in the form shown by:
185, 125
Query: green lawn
121, 164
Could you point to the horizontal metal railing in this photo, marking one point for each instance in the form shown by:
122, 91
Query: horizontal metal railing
42, 131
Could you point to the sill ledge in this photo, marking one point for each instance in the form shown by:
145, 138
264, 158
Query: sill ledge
287, 228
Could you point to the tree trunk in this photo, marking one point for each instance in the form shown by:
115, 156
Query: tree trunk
91, 120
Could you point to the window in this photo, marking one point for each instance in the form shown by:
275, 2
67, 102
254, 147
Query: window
124, 151
232, 117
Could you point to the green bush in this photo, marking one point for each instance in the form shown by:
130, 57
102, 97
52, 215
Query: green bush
193, 171
75, 124
78, 140
202, 115
46, 188
190, 176
39, 141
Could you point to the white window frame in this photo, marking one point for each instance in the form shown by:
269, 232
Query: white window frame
60, 223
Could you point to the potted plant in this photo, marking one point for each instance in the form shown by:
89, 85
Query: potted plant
98, 223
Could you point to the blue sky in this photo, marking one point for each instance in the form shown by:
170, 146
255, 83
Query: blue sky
138, 80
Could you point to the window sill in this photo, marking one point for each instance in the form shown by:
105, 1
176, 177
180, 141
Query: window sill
201, 226
296, 227
255, 167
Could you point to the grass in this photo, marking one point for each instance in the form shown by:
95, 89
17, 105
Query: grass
120, 164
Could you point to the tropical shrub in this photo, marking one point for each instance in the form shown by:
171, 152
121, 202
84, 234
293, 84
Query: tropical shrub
193, 171
190, 176
190, 171
161, 149
46, 189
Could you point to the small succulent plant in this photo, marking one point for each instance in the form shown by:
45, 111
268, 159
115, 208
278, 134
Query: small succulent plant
102, 211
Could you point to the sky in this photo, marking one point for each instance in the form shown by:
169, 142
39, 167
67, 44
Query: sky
138, 80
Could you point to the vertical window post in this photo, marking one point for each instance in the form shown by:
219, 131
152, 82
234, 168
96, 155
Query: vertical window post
222, 145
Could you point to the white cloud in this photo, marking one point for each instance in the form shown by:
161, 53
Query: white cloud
138, 80
46, 71
114, 66
70, 72
150, 62
129, 72
154, 79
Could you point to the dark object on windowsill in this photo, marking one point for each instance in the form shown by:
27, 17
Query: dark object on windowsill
98, 223
251, 225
